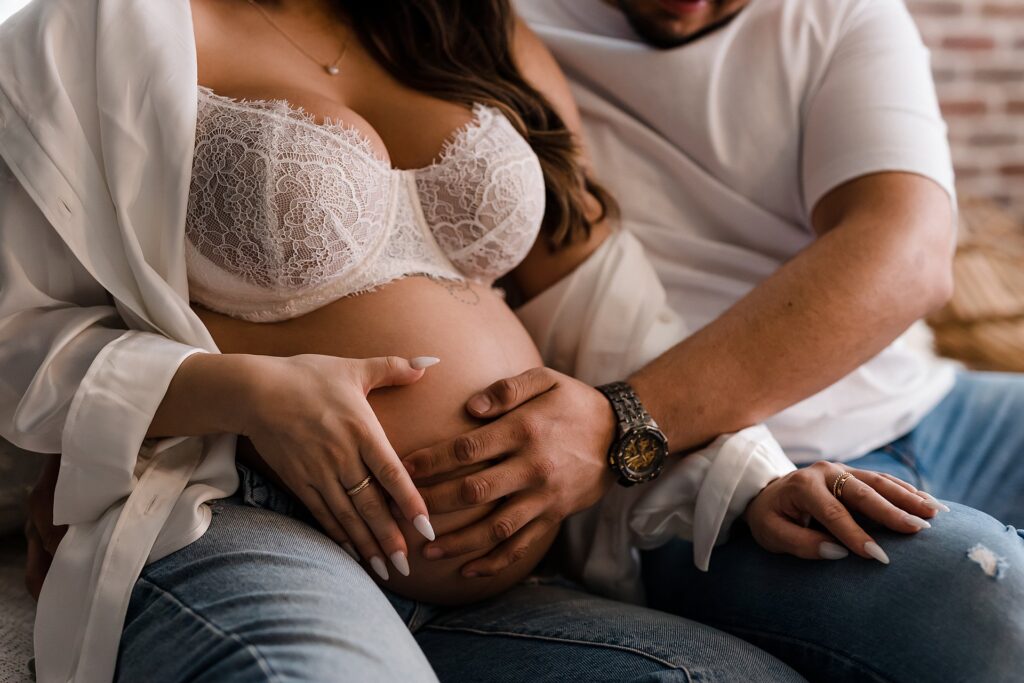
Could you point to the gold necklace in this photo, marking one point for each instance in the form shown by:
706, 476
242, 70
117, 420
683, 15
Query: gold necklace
332, 68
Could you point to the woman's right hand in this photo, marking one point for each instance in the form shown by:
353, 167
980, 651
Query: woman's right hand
310, 421
779, 516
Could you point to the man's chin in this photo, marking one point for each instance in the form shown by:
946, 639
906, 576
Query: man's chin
667, 24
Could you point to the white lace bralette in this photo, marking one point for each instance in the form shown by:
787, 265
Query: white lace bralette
286, 214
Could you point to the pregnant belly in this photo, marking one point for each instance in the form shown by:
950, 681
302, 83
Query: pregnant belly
478, 339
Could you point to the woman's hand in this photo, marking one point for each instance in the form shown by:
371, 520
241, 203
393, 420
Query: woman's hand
779, 515
548, 444
309, 419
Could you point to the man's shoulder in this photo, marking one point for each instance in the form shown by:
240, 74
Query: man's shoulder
821, 19
828, 18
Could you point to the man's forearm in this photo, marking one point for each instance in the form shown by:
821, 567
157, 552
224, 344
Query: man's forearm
833, 307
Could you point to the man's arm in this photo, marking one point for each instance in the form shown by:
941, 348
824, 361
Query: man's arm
883, 261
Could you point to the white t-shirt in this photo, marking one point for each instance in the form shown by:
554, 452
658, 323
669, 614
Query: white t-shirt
719, 150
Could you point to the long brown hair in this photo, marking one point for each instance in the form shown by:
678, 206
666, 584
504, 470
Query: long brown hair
461, 51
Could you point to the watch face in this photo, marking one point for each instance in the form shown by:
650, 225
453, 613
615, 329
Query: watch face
641, 454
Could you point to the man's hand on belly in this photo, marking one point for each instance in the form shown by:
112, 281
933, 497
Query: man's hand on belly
546, 450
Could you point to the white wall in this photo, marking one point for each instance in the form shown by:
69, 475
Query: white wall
9, 7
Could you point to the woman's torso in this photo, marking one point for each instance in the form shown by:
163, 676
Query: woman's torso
463, 322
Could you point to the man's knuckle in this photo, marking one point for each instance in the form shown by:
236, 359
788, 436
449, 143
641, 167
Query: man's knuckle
543, 375
507, 391
465, 448
475, 490
517, 553
543, 467
502, 529
528, 427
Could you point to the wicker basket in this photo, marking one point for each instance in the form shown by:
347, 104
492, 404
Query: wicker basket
983, 325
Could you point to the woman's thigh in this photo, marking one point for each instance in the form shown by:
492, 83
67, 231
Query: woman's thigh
263, 597
933, 614
552, 631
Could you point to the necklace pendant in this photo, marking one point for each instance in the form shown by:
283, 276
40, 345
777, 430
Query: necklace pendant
332, 70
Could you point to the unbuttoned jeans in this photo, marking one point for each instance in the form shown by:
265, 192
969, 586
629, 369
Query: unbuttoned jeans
265, 597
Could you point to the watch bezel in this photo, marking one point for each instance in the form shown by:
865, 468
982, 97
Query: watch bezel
617, 455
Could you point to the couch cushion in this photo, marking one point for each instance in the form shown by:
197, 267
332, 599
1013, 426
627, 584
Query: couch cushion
17, 612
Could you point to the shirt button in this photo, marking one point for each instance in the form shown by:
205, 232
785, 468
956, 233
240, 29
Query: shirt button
665, 317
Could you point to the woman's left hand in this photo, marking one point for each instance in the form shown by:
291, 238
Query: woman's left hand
548, 447
780, 515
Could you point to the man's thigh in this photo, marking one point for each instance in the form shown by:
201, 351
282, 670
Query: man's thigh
933, 614
263, 597
552, 631
970, 449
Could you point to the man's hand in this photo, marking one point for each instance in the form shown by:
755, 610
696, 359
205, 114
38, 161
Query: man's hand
43, 536
548, 447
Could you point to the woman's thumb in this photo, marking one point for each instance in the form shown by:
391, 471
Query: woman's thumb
389, 371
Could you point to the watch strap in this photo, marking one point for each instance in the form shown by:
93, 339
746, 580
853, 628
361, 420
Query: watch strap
629, 411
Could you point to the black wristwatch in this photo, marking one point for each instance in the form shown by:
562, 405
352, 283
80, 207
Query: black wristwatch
640, 448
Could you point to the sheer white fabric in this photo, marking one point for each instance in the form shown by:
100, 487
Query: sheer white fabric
287, 214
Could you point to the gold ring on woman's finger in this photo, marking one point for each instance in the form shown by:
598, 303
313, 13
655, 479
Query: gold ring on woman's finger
360, 486
839, 483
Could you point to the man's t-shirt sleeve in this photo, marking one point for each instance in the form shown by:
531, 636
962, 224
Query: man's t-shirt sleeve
874, 108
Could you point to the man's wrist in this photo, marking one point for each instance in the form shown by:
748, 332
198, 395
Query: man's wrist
639, 450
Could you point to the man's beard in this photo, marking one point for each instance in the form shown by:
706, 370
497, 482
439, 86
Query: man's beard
653, 35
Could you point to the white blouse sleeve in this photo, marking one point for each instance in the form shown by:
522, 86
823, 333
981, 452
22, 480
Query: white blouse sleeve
73, 379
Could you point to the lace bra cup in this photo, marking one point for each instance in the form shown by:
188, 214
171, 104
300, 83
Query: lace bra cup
287, 214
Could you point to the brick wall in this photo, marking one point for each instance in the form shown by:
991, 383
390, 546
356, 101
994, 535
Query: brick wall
978, 59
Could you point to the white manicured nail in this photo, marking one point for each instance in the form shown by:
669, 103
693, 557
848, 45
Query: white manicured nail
917, 521
401, 562
875, 551
351, 550
423, 526
379, 567
420, 362
934, 503
831, 551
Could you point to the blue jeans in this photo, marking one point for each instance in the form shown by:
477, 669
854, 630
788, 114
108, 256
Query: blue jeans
933, 614
263, 596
